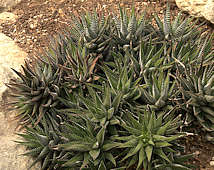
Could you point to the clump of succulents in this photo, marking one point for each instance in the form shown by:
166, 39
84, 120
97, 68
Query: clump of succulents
75, 64
88, 145
93, 32
130, 29
197, 87
105, 95
150, 140
35, 91
158, 91
179, 29
41, 142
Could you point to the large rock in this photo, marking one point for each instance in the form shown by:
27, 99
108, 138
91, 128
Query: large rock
10, 152
7, 4
198, 8
11, 56
7, 17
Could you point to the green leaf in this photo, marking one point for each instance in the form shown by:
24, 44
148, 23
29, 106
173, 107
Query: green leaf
172, 165
133, 151
111, 78
101, 135
131, 130
42, 154
86, 160
94, 153
162, 129
110, 113
102, 166
148, 151
76, 146
73, 160
108, 145
130, 143
161, 154
132, 161
33, 152
107, 97
162, 144
142, 156
117, 101
110, 157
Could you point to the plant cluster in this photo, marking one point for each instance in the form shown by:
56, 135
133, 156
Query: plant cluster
114, 92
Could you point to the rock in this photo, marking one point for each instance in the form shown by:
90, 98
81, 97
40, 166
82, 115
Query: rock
7, 16
208, 11
198, 8
7, 4
211, 163
10, 156
11, 56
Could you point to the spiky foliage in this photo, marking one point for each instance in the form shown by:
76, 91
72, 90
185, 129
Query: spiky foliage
34, 92
120, 76
130, 29
75, 63
101, 97
177, 30
56, 53
150, 140
101, 107
197, 87
186, 53
93, 31
79, 67
40, 143
149, 59
88, 146
157, 92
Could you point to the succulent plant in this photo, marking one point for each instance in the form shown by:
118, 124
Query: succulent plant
157, 92
88, 144
93, 32
98, 105
178, 30
149, 58
102, 109
79, 67
150, 140
40, 143
75, 63
121, 78
197, 87
56, 53
181, 54
105, 94
130, 29
34, 92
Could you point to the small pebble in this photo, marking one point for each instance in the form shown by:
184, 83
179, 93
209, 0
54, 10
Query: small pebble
211, 163
197, 152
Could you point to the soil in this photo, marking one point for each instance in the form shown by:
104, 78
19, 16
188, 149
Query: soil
38, 20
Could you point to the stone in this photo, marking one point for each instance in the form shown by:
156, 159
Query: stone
208, 11
11, 56
7, 17
211, 163
7, 4
11, 152
198, 8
